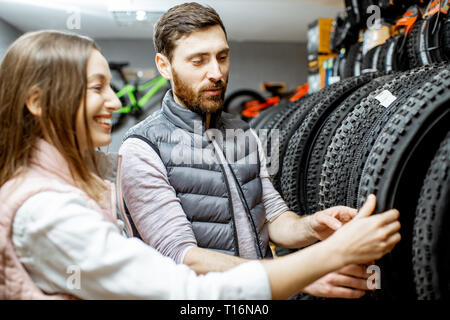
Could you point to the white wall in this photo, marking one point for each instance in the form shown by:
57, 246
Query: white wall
8, 34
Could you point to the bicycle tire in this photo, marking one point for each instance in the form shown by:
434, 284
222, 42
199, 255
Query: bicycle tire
381, 61
266, 115
353, 61
283, 124
422, 45
118, 119
289, 123
364, 147
296, 158
369, 62
239, 94
445, 39
397, 166
396, 55
317, 183
430, 239
413, 45
340, 155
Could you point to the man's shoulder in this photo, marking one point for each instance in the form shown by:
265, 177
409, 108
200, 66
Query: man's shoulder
146, 127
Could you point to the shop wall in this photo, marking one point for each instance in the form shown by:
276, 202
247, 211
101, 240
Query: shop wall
8, 34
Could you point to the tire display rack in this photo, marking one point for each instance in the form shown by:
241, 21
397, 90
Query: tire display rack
386, 133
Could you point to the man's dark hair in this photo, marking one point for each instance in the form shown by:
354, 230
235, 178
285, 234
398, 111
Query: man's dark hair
182, 20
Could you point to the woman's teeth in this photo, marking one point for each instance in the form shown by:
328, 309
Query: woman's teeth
104, 121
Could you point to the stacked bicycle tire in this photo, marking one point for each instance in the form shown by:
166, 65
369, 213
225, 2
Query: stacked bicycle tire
386, 133
428, 42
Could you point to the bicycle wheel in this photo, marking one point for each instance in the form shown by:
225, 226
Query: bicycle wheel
423, 44
353, 61
341, 152
234, 103
302, 139
397, 166
430, 240
445, 39
118, 118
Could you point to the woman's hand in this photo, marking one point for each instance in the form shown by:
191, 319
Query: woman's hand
367, 238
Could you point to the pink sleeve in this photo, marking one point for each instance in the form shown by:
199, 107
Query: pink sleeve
152, 202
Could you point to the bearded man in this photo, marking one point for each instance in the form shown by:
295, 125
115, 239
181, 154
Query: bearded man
205, 199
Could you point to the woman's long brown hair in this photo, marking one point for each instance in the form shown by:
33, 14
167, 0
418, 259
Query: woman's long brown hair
54, 64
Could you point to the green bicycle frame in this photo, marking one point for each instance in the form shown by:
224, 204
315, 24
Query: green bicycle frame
129, 90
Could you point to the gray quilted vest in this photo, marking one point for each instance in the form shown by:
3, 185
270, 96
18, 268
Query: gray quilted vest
179, 137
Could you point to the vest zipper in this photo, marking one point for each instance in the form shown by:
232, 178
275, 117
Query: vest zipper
247, 209
230, 206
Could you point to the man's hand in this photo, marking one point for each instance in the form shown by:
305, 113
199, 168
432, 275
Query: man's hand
324, 223
349, 282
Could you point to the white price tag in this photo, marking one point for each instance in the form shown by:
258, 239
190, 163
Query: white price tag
385, 98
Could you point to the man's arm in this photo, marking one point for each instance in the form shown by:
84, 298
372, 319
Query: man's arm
204, 260
286, 228
289, 230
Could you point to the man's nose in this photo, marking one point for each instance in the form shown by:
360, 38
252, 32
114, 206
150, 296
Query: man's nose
214, 71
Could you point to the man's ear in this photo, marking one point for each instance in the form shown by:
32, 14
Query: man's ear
33, 102
163, 65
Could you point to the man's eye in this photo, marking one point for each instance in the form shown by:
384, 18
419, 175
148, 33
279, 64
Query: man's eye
196, 62
223, 58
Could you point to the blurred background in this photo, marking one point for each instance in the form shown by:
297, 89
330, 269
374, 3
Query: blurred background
267, 37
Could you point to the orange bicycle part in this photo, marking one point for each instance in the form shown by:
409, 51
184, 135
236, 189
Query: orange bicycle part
252, 109
408, 20
301, 91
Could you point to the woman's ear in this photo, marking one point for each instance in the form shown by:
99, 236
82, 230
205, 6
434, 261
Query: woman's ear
33, 102
163, 65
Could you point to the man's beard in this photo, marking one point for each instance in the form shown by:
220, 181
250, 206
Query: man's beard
199, 102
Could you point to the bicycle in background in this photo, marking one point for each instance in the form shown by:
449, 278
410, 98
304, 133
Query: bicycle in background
136, 98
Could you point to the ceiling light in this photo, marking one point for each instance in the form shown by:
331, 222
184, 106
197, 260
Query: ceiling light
132, 17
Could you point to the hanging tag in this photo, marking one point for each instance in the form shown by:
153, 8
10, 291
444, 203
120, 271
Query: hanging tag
385, 98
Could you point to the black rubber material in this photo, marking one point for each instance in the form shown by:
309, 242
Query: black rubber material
341, 152
445, 39
353, 61
366, 144
431, 238
381, 61
423, 45
285, 125
297, 155
396, 168
393, 55
265, 116
325, 137
413, 45
239, 94
370, 60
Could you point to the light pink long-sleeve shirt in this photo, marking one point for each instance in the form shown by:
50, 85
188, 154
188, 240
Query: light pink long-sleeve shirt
158, 214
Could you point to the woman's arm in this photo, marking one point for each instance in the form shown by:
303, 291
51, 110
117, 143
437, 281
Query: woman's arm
69, 248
